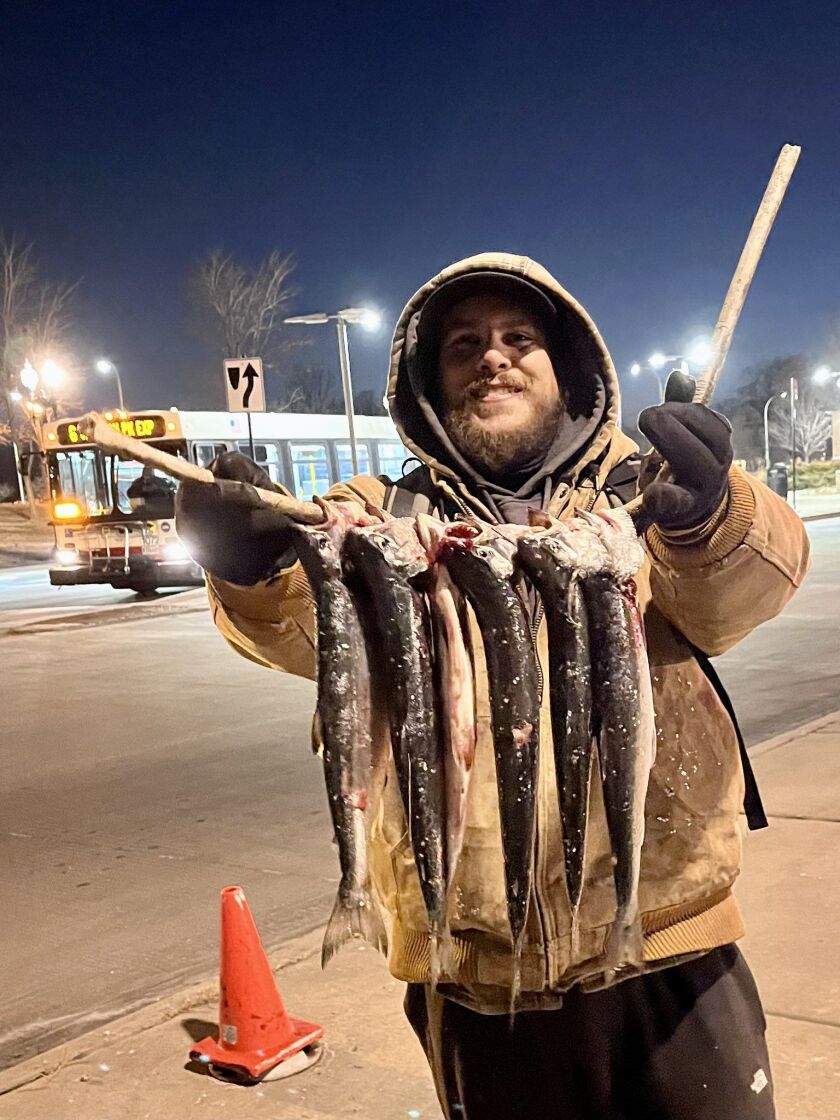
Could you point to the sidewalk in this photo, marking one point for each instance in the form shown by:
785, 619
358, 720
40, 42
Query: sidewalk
373, 1069
811, 505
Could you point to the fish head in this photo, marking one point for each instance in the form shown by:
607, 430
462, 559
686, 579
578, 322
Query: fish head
586, 540
318, 549
393, 543
616, 531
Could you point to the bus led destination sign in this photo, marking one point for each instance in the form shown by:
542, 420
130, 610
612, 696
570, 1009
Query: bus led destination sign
138, 427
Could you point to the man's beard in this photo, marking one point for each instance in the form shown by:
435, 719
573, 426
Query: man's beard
504, 452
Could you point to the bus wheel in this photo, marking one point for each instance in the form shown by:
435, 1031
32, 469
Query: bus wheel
143, 590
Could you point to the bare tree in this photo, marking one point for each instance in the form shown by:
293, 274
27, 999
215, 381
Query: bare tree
812, 426
313, 389
34, 325
243, 308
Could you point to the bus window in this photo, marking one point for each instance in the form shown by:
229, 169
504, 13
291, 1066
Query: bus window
267, 456
345, 462
392, 455
80, 477
310, 469
205, 453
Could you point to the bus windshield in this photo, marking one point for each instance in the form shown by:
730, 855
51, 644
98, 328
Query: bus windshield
100, 483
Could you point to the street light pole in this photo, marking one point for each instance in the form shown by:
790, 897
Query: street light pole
365, 318
347, 389
794, 386
779, 396
105, 365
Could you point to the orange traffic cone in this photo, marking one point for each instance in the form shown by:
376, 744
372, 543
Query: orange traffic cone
255, 1033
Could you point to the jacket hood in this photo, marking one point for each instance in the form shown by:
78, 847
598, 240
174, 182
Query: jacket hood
592, 383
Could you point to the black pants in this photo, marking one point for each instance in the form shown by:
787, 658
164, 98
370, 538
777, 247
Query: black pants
684, 1043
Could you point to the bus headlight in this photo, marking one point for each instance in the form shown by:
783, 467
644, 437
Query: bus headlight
67, 511
174, 552
67, 557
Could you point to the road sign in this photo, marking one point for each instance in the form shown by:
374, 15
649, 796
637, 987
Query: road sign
244, 385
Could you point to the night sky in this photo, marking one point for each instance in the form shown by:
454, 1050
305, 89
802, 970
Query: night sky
623, 145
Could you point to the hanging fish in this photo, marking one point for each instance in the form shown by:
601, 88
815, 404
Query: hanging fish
344, 718
385, 558
481, 563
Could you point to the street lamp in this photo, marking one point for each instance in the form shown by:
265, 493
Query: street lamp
364, 317
654, 366
776, 396
104, 366
698, 353
823, 374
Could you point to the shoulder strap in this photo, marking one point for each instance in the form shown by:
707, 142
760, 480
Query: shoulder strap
622, 480
753, 807
408, 495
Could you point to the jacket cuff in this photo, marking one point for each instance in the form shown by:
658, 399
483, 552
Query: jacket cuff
716, 538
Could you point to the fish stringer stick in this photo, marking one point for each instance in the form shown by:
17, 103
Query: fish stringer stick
100, 431
737, 293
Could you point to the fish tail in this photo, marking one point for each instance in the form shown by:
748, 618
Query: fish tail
448, 956
574, 934
516, 976
625, 945
351, 920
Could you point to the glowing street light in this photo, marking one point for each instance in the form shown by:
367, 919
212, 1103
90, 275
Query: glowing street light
657, 360
823, 374
51, 374
699, 351
105, 367
29, 376
364, 317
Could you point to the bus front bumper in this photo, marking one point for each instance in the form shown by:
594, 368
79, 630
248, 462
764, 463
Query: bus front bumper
143, 572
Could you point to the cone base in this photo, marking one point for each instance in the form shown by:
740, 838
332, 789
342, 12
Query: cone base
256, 1063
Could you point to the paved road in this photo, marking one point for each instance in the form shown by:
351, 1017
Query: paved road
26, 596
145, 767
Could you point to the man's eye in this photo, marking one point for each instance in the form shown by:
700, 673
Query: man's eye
519, 339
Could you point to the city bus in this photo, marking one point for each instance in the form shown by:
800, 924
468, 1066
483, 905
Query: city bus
105, 533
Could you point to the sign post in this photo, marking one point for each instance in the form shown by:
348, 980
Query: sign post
245, 389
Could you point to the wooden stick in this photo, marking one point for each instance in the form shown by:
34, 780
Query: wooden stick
750, 256
94, 428
737, 293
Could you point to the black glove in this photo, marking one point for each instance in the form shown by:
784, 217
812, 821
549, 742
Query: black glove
227, 529
697, 445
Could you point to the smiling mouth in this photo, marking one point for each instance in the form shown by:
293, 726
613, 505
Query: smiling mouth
490, 393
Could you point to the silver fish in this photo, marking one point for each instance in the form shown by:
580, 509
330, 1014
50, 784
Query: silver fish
386, 558
344, 718
482, 567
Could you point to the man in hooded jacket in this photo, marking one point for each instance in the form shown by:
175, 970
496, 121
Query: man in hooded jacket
503, 389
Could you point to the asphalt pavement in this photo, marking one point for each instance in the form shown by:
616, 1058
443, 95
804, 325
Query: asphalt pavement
146, 766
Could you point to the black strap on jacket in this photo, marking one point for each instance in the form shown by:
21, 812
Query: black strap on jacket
411, 495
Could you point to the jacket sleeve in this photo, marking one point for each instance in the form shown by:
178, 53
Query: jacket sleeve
273, 622
716, 590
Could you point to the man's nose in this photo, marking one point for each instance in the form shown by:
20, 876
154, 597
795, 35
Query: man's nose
494, 360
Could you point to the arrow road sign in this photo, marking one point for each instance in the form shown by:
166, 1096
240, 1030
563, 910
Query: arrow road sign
244, 385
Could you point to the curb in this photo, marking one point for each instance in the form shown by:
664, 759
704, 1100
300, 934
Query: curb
292, 952
799, 732
820, 516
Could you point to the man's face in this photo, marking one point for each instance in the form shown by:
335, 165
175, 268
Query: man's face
501, 402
